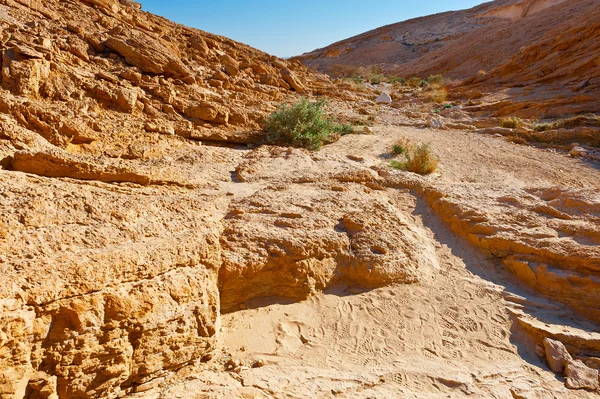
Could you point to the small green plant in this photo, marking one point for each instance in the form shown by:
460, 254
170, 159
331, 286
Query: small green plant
343, 129
419, 159
402, 146
511, 123
303, 125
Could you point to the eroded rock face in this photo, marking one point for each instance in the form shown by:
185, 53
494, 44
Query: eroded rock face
101, 315
292, 241
547, 237
122, 238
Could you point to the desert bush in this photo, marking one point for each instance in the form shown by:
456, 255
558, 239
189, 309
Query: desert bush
414, 82
376, 78
438, 96
397, 81
303, 125
436, 80
419, 159
542, 127
355, 84
511, 123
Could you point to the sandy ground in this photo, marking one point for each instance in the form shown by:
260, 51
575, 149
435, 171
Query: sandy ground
452, 336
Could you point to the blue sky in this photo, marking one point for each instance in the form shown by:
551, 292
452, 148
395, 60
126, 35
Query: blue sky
286, 28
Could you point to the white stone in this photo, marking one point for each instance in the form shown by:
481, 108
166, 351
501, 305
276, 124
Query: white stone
384, 98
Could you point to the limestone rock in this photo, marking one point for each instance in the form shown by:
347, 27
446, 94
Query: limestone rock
24, 71
148, 54
208, 112
291, 79
557, 355
54, 163
302, 244
126, 99
580, 376
111, 5
104, 184
578, 151
131, 3
198, 43
539, 260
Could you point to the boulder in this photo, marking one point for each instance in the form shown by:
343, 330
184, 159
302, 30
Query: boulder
270, 80
198, 43
580, 376
126, 99
291, 79
384, 98
149, 55
131, 4
24, 70
208, 112
578, 152
556, 354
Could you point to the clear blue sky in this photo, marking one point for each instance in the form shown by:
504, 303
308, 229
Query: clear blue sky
286, 28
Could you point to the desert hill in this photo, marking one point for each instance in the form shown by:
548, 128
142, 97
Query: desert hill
153, 246
550, 45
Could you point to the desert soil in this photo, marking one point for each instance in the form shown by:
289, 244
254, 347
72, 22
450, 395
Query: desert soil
454, 334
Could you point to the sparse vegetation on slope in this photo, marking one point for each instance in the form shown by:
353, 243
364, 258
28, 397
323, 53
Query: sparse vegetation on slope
303, 124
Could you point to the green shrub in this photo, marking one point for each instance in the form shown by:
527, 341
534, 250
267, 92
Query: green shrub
303, 125
419, 159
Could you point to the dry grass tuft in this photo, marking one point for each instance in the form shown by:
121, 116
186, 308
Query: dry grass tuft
511, 123
419, 158
414, 82
438, 96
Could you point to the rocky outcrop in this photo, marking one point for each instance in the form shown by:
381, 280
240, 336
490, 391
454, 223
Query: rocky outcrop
56, 164
547, 237
103, 314
306, 238
149, 55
